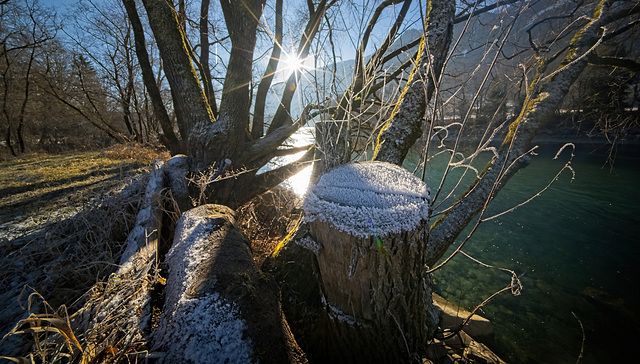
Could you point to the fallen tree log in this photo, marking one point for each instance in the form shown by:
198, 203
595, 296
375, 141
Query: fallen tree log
219, 306
116, 318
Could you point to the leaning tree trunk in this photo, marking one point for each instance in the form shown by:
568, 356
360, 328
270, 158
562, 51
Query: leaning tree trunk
368, 229
404, 126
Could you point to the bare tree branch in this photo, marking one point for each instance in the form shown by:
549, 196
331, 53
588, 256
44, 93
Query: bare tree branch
282, 116
257, 128
625, 63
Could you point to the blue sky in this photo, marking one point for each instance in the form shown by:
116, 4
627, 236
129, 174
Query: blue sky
58, 3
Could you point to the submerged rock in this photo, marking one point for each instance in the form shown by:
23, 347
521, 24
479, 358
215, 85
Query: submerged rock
477, 327
467, 345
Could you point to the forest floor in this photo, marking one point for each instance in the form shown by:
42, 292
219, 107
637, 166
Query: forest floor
37, 187
64, 220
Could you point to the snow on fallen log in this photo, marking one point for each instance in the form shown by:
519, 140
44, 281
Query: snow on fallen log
219, 307
145, 233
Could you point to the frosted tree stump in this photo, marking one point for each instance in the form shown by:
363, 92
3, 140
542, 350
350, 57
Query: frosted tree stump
369, 226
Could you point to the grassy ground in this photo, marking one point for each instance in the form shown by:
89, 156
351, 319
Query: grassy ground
63, 225
39, 185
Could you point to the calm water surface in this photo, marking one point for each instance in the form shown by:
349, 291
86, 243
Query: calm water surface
577, 247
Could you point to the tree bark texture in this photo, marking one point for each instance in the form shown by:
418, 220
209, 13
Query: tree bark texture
190, 103
241, 18
378, 304
375, 291
546, 93
148, 222
169, 137
209, 142
405, 125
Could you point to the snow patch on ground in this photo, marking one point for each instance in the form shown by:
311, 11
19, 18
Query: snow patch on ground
369, 198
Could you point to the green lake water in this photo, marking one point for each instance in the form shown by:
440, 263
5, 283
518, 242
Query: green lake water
577, 249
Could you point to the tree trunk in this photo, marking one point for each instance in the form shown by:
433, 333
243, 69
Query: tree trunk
23, 108
405, 125
9, 142
169, 137
204, 57
190, 104
119, 314
241, 18
368, 229
257, 127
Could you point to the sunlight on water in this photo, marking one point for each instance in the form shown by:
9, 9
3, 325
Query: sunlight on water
300, 182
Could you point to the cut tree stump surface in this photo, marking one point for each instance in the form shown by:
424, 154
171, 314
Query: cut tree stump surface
369, 198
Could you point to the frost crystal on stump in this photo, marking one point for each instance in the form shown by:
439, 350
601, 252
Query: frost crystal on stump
368, 198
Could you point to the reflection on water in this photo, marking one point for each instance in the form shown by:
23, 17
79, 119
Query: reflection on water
300, 182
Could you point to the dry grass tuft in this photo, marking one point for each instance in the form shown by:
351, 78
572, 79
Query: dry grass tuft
114, 321
266, 219
62, 262
135, 152
53, 326
109, 327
